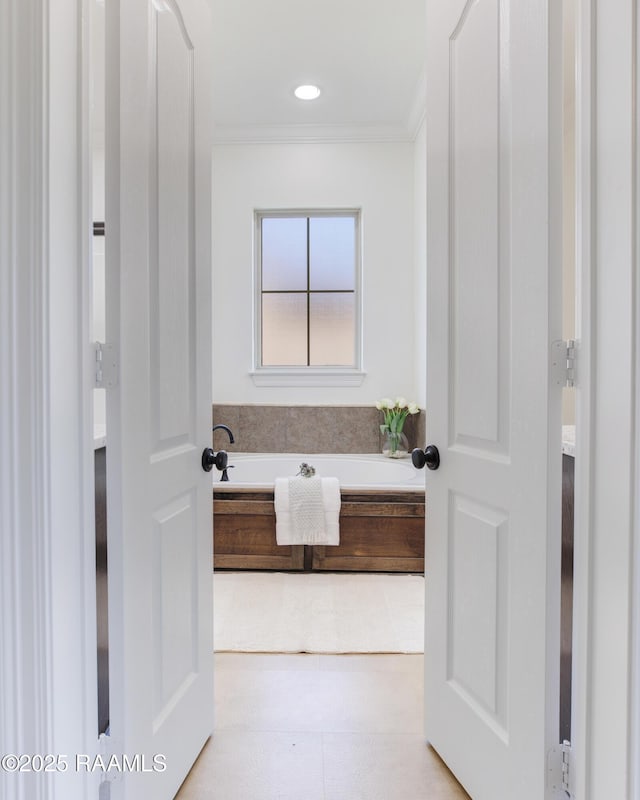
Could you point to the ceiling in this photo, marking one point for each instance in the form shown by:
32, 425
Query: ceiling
367, 56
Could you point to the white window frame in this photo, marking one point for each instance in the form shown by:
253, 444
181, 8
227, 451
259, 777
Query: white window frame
305, 375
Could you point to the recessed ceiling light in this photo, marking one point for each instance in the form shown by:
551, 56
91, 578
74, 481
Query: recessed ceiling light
307, 92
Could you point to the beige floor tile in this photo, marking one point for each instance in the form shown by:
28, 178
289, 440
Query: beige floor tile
408, 664
301, 727
318, 700
385, 767
257, 766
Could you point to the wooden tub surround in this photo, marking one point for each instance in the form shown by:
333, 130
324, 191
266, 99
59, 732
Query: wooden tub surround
379, 532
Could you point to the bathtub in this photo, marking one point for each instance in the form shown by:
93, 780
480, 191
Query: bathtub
382, 519
354, 472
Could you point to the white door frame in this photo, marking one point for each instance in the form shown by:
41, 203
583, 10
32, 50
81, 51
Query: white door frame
47, 630
635, 667
606, 592
585, 298
47, 559
634, 739
634, 753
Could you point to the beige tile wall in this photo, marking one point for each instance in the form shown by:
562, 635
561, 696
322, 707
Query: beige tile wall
307, 429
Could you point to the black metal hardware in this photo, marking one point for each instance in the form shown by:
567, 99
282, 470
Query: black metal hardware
225, 476
227, 429
210, 459
429, 457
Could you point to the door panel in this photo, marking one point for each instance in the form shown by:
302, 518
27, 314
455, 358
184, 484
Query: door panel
478, 577
172, 223
158, 232
175, 611
476, 266
493, 534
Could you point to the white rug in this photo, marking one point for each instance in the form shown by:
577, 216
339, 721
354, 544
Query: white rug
277, 612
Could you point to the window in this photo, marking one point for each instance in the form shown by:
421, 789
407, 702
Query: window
307, 304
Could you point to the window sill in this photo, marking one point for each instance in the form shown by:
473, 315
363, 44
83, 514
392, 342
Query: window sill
306, 376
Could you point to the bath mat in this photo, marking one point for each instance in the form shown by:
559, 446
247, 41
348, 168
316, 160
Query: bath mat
278, 612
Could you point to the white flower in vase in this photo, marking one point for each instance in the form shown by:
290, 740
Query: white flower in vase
395, 413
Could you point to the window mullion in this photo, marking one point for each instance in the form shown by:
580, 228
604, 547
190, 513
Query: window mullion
286, 306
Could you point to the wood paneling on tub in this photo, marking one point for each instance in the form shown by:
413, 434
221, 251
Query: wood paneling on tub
378, 533
244, 534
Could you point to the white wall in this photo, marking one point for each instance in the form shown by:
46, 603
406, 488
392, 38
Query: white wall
376, 177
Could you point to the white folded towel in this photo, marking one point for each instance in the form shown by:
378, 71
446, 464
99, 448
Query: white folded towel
307, 510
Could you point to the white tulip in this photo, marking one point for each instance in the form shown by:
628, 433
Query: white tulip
401, 402
413, 408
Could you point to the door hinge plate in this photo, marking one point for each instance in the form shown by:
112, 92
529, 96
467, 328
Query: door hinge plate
560, 769
563, 362
106, 365
102, 763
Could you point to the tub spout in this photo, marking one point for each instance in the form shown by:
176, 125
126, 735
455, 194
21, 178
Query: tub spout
227, 429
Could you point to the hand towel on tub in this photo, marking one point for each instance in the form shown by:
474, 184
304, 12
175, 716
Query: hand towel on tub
307, 510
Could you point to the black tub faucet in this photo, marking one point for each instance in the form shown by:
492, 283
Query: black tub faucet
227, 429
211, 459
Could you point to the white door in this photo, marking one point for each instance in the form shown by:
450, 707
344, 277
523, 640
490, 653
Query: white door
493, 308
158, 231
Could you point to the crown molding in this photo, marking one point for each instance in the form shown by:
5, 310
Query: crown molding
323, 133
310, 134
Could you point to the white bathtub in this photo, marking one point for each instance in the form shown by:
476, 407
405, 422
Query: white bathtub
361, 472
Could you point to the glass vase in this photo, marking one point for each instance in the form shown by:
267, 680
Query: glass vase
395, 444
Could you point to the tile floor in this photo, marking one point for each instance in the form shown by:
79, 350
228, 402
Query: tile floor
319, 727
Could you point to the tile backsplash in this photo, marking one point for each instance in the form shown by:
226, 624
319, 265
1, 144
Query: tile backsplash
307, 429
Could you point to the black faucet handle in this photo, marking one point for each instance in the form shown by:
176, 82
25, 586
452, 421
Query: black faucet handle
225, 476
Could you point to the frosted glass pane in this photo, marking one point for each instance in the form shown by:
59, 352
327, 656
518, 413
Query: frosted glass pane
284, 253
332, 329
284, 330
332, 252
